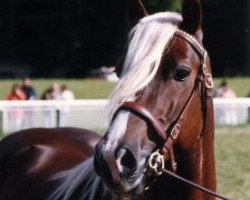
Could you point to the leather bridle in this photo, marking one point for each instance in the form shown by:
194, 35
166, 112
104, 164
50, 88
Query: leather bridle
203, 82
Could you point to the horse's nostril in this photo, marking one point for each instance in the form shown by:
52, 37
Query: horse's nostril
126, 161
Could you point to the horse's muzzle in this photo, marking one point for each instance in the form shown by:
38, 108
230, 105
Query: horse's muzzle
116, 167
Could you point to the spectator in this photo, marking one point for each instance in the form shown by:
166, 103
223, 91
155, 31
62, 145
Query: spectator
66, 94
28, 90
48, 113
16, 115
224, 91
16, 93
225, 114
52, 93
47, 94
55, 92
30, 94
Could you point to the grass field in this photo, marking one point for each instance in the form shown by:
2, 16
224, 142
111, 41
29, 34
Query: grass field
232, 147
99, 89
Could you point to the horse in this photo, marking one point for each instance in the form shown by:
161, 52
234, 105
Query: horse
160, 117
30, 157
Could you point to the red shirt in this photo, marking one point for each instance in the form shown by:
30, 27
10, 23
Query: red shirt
16, 96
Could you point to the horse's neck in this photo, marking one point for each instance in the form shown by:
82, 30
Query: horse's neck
201, 168
196, 165
209, 175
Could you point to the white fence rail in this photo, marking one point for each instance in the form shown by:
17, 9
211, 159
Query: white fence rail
17, 115
234, 111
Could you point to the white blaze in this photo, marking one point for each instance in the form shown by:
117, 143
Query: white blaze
117, 130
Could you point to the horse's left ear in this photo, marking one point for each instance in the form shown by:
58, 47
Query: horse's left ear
135, 11
192, 18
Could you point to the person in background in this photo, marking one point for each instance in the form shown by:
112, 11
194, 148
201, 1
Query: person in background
16, 93
52, 93
48, 113
224, 91
55, 91
30, 94
226, 115
28, 90
66, 94
16, 115
47, 94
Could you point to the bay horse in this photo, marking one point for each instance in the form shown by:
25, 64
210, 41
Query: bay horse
161, 117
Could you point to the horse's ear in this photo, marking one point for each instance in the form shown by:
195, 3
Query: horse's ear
135, 11
192, 18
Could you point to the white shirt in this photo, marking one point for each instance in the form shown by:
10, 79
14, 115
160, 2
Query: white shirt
67, 95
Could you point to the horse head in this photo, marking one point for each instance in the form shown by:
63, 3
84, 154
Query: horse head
164, 74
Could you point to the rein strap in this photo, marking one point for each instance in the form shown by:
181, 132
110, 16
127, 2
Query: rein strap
192, 184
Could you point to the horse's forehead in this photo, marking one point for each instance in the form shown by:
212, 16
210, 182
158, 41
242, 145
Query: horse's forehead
181, 50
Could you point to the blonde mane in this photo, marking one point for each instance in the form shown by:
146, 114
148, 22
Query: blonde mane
148, 40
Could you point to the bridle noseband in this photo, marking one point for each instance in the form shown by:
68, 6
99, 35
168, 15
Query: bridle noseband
157, 159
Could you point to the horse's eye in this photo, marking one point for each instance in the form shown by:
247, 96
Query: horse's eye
181, 74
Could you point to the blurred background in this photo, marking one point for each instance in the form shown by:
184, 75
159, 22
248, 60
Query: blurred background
69, 38
65, 51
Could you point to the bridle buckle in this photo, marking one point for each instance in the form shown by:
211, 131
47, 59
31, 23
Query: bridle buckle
175, 131
207, 76
156, 162
209, 81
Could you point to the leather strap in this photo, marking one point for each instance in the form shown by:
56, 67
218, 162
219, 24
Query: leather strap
194, 185
147, 115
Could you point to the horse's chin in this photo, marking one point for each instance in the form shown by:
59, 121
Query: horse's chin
131, 194
131, 189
